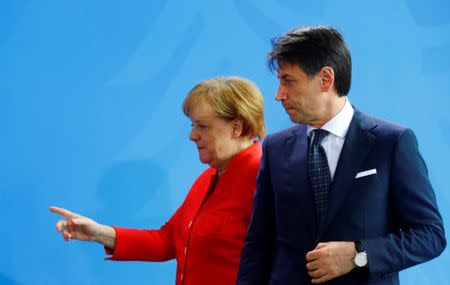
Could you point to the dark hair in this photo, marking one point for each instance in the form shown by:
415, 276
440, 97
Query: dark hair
312, 48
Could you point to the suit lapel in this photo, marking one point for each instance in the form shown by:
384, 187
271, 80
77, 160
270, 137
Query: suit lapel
297, 166
358, 144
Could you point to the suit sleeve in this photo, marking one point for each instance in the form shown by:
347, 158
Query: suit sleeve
257, 254
419, 234
145, 245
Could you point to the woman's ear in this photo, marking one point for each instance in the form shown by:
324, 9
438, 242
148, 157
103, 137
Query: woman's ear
326, 78
238, 127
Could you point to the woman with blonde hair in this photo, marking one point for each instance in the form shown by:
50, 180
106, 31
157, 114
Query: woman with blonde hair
206, 233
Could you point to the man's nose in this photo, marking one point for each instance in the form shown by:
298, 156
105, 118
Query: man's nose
281, 94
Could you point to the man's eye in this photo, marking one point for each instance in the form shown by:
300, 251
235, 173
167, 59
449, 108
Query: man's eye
286, 82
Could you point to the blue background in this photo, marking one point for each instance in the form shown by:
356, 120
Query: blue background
90, 111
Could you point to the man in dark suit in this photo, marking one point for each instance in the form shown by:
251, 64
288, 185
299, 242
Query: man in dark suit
342, 197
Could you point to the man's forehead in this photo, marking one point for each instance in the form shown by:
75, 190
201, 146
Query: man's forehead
285, 68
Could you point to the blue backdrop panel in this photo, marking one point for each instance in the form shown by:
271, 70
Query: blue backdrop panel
90, 111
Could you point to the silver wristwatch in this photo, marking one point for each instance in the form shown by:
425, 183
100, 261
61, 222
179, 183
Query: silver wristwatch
360, 259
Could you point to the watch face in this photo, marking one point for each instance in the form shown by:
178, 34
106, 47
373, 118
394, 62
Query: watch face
361, 259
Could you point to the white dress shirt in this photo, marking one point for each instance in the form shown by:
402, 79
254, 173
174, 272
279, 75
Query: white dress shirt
337, 128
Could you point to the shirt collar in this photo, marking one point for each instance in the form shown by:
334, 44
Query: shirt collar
339, 124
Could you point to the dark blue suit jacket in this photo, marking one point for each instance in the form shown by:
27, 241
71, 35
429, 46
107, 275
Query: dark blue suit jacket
393, 212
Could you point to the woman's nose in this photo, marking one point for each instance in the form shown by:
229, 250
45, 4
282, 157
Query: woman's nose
193, 136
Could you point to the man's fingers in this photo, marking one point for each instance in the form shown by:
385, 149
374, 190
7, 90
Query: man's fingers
317, 273
322, 279
312, 255
321, 244
313, 265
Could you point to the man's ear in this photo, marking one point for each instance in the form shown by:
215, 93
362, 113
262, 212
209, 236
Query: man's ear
238, 127
326, 78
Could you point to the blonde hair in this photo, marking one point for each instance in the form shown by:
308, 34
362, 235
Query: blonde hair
231, 98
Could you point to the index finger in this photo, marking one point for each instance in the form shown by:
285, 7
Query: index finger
312, 255
62, 211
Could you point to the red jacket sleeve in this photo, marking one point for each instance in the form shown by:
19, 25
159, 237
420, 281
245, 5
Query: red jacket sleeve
145, 245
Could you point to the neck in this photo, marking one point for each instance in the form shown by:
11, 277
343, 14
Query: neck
245, 143
331, 110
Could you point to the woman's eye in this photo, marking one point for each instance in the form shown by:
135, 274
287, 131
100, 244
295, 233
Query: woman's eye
200, 126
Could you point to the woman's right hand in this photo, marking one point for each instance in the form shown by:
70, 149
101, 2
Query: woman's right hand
75, 226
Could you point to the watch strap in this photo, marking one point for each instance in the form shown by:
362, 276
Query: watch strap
359, 246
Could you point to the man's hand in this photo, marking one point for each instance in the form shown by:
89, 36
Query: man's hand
330, 260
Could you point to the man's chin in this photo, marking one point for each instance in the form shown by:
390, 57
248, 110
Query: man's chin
296, 119
293, 118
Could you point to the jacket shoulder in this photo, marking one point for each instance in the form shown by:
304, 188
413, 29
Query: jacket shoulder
281, 136
380, 127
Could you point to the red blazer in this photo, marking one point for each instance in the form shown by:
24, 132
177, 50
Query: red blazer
206, 239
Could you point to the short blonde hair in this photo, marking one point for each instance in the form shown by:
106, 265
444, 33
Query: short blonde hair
231, 98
